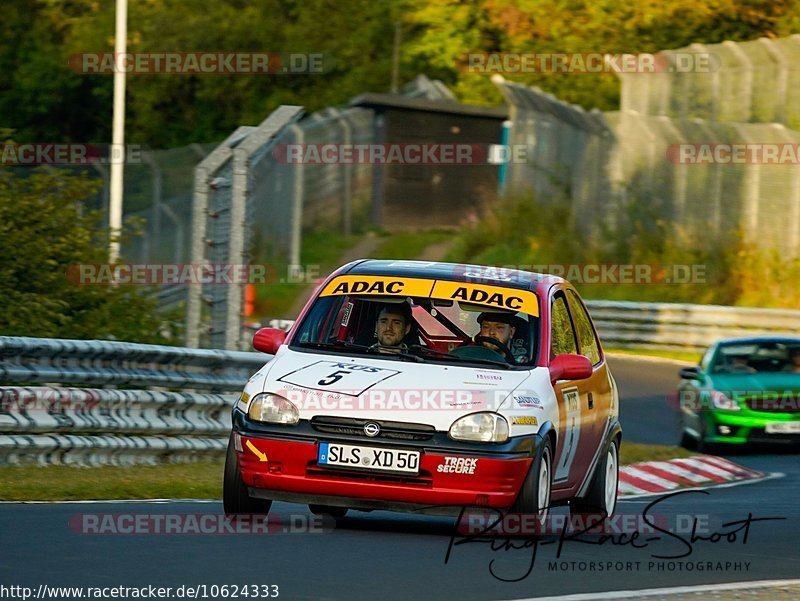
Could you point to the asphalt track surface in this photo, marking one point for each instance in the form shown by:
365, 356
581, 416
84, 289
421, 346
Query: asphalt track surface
382, 555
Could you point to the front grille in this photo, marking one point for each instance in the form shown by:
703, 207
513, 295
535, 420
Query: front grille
389, 430
423, 480
783, 403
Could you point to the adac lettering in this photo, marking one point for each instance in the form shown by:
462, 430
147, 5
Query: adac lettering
483, 297
362, 287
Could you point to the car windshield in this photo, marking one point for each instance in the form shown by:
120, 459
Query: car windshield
756, 357
425, 328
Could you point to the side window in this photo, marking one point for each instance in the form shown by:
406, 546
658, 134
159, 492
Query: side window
589, 347
562, 335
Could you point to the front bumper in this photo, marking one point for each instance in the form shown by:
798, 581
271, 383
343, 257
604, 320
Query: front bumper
290, 471
742, 427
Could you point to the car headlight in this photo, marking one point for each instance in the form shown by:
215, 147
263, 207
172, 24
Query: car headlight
720, 401
481, 427
273, 409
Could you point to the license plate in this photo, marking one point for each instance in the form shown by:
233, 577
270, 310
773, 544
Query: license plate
371, 458
783, 428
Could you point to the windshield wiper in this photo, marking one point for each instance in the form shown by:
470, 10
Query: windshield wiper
442, 355
351, 346
501, 364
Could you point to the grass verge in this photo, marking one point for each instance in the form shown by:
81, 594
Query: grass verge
65, 483
634, 452
190, 481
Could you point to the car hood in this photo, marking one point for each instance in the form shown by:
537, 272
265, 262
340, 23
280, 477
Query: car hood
762, 381
364, 387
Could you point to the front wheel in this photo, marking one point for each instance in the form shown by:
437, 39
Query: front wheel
602, 496
235, 498
534, 496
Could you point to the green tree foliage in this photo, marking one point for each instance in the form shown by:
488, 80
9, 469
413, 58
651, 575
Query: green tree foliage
446, 31
44, 100
44, 230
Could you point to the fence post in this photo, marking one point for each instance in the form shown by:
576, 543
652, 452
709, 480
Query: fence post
296, 233
750, 196
746, 93
237, 253
202, 183
782, 85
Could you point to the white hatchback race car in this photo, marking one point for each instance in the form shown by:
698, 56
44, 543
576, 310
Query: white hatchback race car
430, 387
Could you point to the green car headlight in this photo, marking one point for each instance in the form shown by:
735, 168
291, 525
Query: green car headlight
720, 401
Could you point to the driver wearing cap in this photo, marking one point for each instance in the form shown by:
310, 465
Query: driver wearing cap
499, 327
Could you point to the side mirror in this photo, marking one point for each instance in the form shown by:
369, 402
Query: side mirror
570, 367
690, 373
267, 340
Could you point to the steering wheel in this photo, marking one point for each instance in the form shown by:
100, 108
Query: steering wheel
504, 350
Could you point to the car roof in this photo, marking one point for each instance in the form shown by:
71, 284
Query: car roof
458, 272
758, 339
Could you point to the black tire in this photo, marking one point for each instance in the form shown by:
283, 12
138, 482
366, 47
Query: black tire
334, 512
703, 446
602, 494
684, 439
235, 498
530, 498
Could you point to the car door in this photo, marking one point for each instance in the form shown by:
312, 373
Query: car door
599, 403
575, 446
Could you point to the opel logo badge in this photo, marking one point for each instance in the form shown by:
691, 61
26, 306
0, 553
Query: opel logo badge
372, 429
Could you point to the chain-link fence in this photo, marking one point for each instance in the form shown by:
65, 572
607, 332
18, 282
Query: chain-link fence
745, 82
158, 196
566, 151
253, 201
658, 160
711, 177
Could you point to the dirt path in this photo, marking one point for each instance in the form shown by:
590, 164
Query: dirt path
362, 250
435, 252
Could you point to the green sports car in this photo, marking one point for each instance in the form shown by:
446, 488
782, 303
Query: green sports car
744, 390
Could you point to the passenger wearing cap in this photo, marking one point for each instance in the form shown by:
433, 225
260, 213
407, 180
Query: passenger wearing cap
498, 326
392, 326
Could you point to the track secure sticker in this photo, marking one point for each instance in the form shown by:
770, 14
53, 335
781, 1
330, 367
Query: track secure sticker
524, 420
458, 465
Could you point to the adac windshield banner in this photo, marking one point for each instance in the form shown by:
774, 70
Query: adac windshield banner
498, 297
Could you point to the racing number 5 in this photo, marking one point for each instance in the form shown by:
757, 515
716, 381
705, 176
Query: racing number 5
333, 378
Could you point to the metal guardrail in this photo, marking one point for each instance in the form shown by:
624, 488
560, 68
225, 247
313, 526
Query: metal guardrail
684, 327
670, 326
101, 402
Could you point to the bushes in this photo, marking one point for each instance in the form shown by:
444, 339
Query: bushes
519, 230
44, 229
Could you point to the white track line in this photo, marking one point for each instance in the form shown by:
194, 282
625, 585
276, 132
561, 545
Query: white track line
676, 590
648, 477
694, 462
666, 466
710, 485
729, 465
